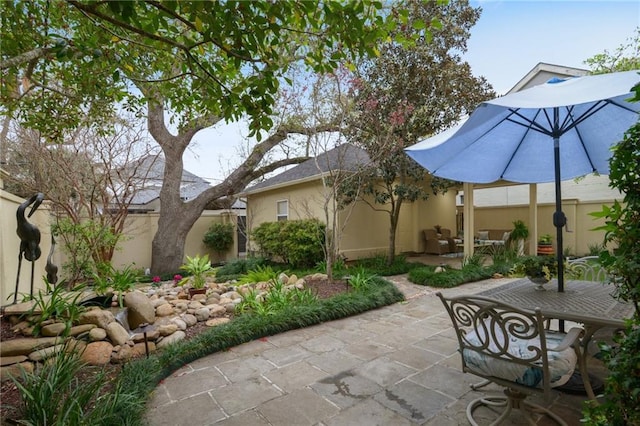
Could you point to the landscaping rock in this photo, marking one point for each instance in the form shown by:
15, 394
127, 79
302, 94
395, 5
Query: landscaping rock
216, 310
97, 353
54, 329
79, 329
140, 310
9, 360
42, 354
165, 310
15, 370
217, 321
189, 319
202, 314
97, 316
26, 346
175, 337
167, 329
117, 334
97, 334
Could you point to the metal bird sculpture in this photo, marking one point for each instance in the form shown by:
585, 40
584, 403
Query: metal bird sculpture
29, 238
50, 268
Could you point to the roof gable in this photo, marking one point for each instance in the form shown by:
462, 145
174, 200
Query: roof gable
346, 157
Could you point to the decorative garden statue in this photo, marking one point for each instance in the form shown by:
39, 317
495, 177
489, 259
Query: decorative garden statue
29, 238
50, 268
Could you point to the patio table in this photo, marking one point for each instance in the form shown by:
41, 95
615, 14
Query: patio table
589, 303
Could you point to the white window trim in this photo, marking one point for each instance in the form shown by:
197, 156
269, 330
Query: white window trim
282, 216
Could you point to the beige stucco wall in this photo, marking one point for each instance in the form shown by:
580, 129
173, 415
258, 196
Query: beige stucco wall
580, 223
366, 231
10, 246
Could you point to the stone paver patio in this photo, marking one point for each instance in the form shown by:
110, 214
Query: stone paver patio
396, 365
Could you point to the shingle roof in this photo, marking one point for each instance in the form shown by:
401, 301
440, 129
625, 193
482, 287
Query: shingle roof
344, 157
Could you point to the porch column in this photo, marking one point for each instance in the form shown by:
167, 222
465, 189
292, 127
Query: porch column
533, 219
468, 222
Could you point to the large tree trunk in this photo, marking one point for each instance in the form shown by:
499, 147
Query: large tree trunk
176, 216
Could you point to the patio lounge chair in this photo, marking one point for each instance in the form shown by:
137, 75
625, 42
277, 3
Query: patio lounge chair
511, 348
438, 244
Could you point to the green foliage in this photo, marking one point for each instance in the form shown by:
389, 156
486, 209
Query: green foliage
536, 267
361, 279
52, 395
404, 94
596, 249
297, 242
276, 299
83, 244
233, 269
622, 229
476, 258
214, 56
219, 237
545, 239
197, 267
119, 281
625, 57
378, 265
520, 231
54, 303
450, 277
338, 265
260, 273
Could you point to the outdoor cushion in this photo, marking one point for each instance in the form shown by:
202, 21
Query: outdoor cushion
561, 364
506, 236
483, 235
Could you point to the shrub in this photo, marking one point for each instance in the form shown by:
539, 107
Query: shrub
296, 242
259, 274
219, 237
54, 304
238, 267
378, 265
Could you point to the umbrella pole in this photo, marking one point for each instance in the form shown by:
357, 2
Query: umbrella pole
559, 219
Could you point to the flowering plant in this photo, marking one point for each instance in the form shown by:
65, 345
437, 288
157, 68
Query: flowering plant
156, 279
177, 278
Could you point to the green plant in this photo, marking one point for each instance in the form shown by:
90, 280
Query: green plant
596, 249
360, 280
536, 267
86, 245
296, 242
518, 235
622, 230
119, 281
219, 237
54, 303
198, 267
52, 395
544, 239
259, 274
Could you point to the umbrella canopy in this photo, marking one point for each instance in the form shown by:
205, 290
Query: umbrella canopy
555, 131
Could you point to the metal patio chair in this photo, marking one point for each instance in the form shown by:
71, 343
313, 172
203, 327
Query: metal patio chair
511, 347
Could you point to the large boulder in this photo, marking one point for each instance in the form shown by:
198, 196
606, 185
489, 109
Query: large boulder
97, 353
140, 309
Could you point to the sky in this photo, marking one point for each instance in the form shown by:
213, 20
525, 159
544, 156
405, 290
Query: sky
508, 40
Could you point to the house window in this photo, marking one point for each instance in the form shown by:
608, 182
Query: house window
283, 210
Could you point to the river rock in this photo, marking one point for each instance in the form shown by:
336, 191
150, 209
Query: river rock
140, 310
217, 321
96, 316
180, 323
167, 329
54, 329
216, 310
26, 346
15, 370
165, 310
189, 319
97, 353
117, 334
79, 329
202, 314
175, 337
42, 354
97, 334
9, 360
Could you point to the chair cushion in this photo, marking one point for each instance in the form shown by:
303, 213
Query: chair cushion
561, 364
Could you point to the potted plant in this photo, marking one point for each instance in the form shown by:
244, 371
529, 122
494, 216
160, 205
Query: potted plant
518, 235
539, 269
197, 267
544, 245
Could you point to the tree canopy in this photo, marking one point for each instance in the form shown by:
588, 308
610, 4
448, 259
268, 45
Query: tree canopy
410, 92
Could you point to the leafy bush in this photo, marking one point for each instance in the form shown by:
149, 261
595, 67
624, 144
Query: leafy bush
450, 277
360, 280
120, 281
231, 270
296, 242
219, 237
198, 267
259, 274
52, 395
54, 304
378, 265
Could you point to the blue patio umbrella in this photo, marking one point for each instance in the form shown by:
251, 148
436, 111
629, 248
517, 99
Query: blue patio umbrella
559, 130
